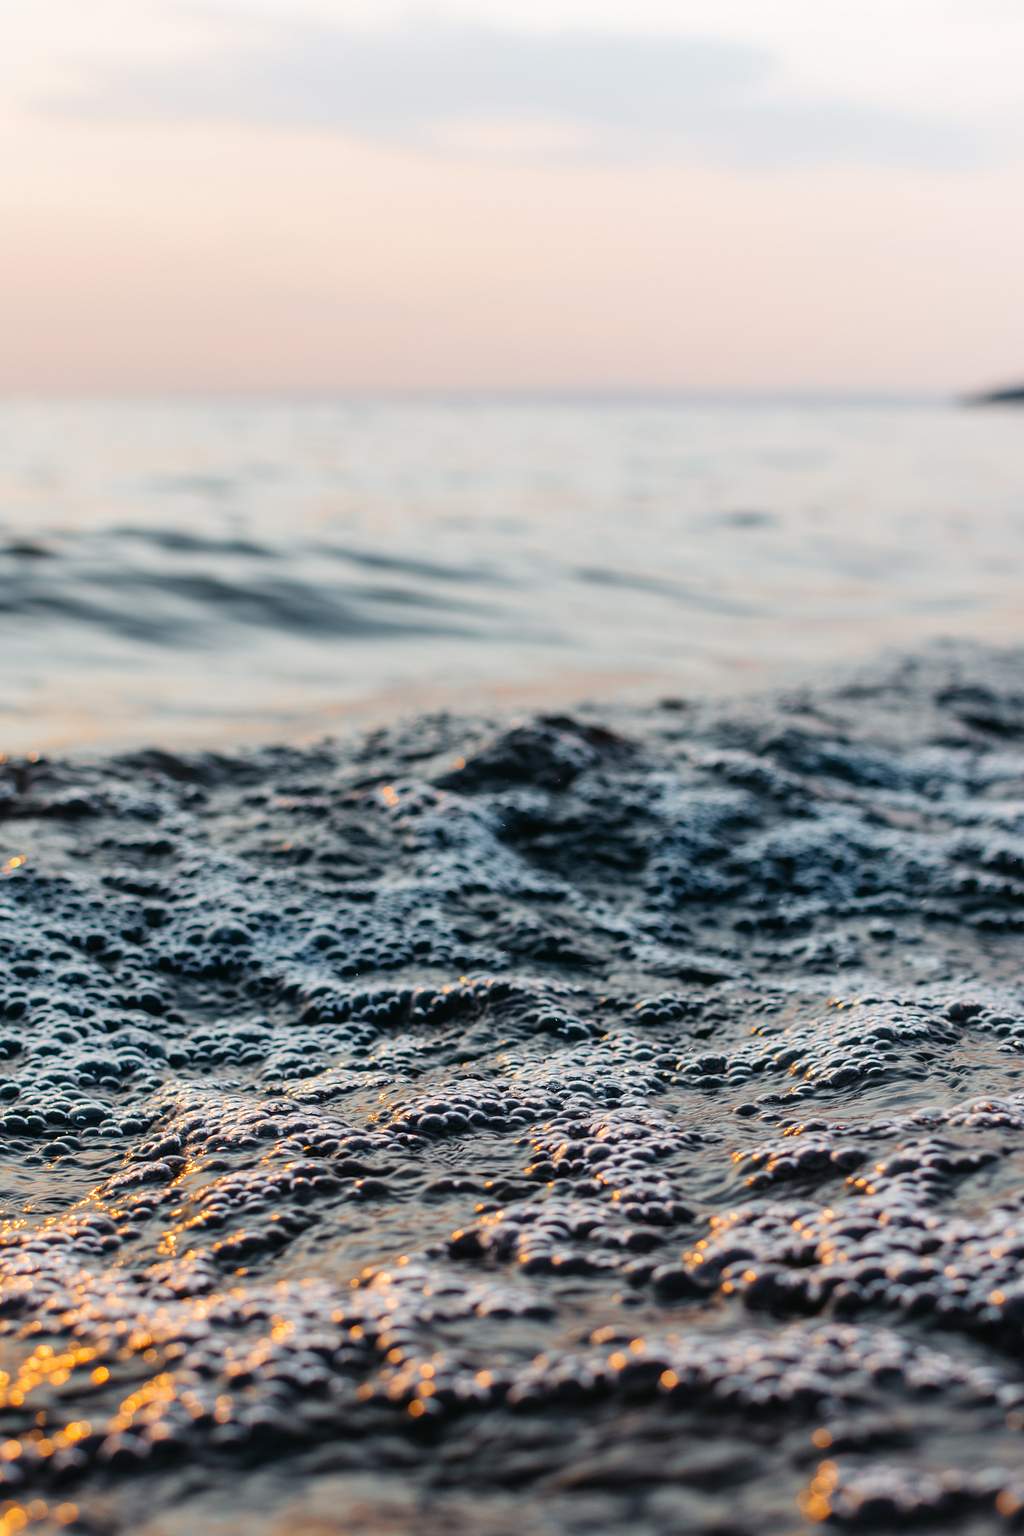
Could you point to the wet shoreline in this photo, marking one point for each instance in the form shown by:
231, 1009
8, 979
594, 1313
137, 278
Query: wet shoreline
605, 1121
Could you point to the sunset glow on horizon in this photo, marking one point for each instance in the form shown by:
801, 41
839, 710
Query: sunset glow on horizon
254, 197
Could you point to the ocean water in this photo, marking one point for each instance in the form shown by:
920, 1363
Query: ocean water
207, 572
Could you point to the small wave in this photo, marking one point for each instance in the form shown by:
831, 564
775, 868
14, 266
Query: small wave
186, 608
410, 567
635, 581
179, 542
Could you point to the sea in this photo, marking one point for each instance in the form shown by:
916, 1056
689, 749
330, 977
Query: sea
198, 573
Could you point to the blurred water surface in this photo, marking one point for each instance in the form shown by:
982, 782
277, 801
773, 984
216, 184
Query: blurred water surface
199, 572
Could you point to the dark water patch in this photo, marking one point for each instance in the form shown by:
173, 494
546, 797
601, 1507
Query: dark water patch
429, 570
635, 581
985, 710
295, 606
25, 549
748, 519
194, 609
69, 605
180, 542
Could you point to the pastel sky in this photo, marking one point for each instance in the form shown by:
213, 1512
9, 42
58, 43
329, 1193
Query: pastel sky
510, 194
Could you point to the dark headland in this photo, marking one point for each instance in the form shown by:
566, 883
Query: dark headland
1011, 394
598, 1123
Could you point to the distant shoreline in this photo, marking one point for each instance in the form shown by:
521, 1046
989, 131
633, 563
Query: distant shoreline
1012, 395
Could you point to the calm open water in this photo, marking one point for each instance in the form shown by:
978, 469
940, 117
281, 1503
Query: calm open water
202, 572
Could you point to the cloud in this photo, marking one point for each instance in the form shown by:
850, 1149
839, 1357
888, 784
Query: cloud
595, 94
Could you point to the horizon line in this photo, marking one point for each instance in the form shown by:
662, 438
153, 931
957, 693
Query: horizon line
530, 394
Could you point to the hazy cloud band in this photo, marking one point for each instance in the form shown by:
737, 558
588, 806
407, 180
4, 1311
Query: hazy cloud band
629, 94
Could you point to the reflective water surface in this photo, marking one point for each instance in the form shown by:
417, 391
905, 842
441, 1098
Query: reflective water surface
199, 572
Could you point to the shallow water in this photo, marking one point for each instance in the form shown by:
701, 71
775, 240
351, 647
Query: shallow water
208, 572
610, 1123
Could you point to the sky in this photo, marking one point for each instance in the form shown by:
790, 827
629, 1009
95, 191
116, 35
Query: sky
695, 195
